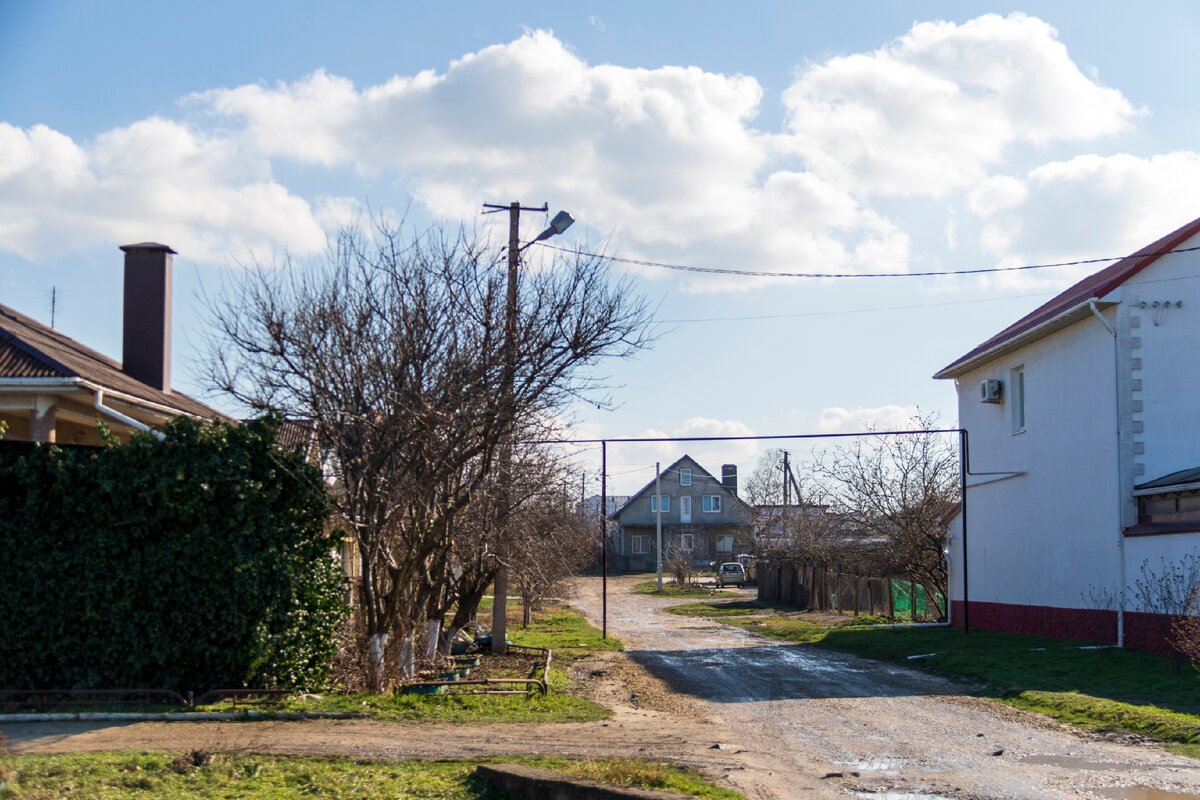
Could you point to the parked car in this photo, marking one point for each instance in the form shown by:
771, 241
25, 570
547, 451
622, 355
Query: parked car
731, 573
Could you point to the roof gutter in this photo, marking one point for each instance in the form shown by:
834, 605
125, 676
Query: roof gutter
124, 419
25, 385
1036, 332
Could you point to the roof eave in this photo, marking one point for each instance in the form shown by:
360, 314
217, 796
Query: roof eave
1061, 320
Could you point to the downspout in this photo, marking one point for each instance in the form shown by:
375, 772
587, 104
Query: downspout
1120, 502
124, 419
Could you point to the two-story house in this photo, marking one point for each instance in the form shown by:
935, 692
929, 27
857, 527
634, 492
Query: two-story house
1083, 423
702, 518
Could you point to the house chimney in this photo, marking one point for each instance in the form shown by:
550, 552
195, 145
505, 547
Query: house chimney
729, 477
146, 340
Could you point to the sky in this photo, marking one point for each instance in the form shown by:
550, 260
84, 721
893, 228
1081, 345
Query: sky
774, 137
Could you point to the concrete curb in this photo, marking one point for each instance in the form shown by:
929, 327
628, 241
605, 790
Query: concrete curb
533, 783
182, 716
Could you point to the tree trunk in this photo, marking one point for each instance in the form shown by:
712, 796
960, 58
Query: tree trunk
433, 632
378, 645
406, 661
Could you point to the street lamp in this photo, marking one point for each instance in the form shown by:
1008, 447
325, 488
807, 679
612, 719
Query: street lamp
562, 220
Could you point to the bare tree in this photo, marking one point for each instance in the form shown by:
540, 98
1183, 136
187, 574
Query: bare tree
898, 490
394, 346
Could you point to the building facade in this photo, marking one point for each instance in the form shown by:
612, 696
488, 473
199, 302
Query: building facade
703, 519
1082, 426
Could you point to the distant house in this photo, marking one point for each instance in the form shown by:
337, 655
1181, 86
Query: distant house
702, 517
1083, 426
55, 389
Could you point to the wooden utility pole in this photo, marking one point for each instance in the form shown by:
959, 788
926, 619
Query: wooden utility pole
658, 524
560, 223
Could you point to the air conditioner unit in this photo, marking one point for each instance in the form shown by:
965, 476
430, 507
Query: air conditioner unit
991, 391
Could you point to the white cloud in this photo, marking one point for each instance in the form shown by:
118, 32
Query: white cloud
155, 179
1088, 206
884, 418
930, 111
667, 158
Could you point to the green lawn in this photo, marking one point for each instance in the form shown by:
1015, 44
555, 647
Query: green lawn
561, 628
167, 776
1104, 690
672, 589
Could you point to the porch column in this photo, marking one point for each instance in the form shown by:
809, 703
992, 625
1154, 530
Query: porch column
43, 419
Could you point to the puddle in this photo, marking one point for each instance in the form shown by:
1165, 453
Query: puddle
1143, 793
1077, 762
876, 766
902, 796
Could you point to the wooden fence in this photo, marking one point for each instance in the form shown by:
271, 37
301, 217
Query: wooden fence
820, 587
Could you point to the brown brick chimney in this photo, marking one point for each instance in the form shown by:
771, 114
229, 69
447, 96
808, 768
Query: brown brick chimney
146, 340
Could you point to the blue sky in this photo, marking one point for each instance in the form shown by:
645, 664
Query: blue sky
874, 137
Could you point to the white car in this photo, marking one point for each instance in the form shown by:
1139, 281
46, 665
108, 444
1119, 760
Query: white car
731, 573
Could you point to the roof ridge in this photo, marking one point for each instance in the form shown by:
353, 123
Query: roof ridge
1097, 284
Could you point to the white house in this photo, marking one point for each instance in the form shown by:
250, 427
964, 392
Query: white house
1083, 423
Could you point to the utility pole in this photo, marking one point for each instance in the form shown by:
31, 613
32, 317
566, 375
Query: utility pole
658, 524
786, 473
560, 223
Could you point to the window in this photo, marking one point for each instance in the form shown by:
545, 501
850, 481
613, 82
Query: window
712, 503
1169, 507
1017, 396
685, 476
686, 542
640, 545
654, 501
724, 544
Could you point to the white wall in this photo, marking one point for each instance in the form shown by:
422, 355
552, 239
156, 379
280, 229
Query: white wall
1049, 537
1045, 537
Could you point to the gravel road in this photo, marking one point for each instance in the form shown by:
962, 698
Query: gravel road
801, 712
776, 721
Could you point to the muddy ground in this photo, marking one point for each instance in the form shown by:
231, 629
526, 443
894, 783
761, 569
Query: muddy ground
773, 720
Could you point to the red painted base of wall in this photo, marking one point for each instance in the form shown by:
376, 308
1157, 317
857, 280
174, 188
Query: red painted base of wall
1142, 631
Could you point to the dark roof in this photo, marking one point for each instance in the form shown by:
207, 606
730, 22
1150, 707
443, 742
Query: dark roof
668, 468
1096, 285
299, 435
29, 349
1179, 478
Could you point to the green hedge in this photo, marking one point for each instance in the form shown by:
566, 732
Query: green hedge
194, 562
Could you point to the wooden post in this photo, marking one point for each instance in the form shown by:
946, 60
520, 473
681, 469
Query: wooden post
912, 599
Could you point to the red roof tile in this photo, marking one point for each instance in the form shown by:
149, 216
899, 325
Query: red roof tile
1095, 285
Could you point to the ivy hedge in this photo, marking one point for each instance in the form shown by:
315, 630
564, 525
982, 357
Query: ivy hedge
196, 562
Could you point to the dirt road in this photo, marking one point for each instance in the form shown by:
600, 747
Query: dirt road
801, 712
775, 721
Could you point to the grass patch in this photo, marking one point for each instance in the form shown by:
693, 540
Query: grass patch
1123, 691
727, 609
222, 776
672, 589
561, 628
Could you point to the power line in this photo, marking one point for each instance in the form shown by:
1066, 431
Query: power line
928, 274
855, 310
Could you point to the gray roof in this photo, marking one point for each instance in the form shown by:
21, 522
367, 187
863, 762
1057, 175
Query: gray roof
1183, 476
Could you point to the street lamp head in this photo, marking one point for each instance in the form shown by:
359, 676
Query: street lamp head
562, 220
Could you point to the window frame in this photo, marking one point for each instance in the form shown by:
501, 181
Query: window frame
633, 544
711, 504
687, 542
723, 537
685, 476
665, 501
1016, 380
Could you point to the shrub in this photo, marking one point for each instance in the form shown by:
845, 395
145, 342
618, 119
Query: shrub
194, 562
